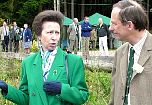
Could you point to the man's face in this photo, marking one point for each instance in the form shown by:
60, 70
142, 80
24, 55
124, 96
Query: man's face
15, 24
76, 21
4, 24
50, 35
119, 30
100, 21
22, 29
86, 19
25, 25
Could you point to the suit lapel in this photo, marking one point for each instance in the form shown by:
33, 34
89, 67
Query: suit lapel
38, 77
144, 55
57, 65
124, 65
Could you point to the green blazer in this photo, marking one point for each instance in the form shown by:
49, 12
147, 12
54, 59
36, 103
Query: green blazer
31, 92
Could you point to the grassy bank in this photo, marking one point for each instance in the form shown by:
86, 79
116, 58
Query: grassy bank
98, 81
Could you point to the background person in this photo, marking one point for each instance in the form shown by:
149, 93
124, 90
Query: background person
93, 38
55, 81
21, 40
27, 39
102, 33
85, 37
4, 36
131, 74
11, 39
16, 33
73, 32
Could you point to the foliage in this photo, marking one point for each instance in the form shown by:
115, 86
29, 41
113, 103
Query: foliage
5, 9
23, 11
34, 36
1, 21
98, 81
34, 47
9, 72
29, 7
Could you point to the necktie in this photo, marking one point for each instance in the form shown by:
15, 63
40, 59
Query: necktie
76, 28
5, 31
129, 75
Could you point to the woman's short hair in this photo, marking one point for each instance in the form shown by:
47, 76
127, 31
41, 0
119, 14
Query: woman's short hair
47, 15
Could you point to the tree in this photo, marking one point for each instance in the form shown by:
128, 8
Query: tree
23, 11
6, 9
72, 9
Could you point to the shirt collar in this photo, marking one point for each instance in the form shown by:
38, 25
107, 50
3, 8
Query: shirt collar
138, 46
15, 27
53, 53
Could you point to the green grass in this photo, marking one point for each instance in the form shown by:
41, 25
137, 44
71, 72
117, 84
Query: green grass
10, 73
99, 81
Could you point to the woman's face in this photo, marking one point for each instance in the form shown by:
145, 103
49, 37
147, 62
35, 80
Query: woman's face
25, 26
50, 35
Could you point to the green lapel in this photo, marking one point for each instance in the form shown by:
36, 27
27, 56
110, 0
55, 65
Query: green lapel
58, 65
38, 77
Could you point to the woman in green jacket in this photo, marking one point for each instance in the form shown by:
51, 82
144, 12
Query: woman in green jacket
50, 76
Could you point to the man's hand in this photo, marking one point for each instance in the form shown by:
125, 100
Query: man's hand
52, 87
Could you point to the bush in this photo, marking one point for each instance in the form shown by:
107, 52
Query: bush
98, 81
34, 47
1, 21
9, 72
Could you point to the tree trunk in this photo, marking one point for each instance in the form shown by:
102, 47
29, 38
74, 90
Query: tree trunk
65, 8
72, 9
58, 5
82, 9
55, 5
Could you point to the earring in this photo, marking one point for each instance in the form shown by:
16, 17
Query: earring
39, 39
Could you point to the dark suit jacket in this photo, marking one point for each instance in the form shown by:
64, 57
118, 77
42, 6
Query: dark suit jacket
103, 30
141, 84
27, 35
15, 34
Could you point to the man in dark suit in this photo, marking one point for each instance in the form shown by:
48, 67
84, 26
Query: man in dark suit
132, 71
16, 34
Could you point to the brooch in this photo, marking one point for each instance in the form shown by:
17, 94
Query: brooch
55, 72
